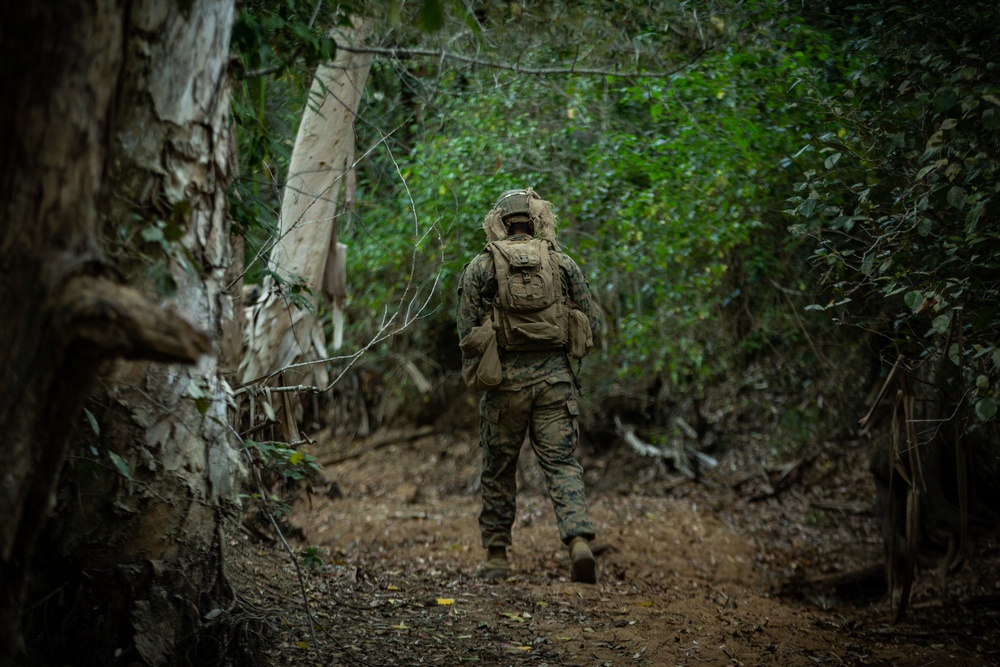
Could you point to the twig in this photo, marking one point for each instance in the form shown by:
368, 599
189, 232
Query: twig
442, 55
288, 548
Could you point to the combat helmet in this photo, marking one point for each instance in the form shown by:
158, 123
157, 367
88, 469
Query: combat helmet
514, 206
521, 205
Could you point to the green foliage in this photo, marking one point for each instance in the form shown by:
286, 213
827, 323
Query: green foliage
287, 462
311, 556
662, 187
902, 200
669, 189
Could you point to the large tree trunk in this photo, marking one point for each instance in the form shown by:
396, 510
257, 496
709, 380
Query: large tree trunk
281, 333
128, 101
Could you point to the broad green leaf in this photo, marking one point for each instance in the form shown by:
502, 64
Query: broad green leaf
941, 323
956, 197
913, 299
986, 408
945, 99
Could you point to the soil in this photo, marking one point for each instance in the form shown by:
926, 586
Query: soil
740, 566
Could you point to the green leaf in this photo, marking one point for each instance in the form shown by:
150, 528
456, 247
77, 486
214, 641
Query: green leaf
945, 99
831, 161
120, 464
173, 232
152, 234
941, 323
991, 119
986, 408
807, 207
164, 282
93, 421
956, 197
913, 299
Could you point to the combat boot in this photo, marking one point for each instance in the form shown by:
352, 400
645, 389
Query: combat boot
582, 560
495, 565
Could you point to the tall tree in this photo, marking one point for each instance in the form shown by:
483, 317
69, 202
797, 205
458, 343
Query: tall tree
306, 254
117, 116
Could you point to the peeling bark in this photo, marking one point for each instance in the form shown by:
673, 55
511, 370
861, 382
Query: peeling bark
279, 333
116, 114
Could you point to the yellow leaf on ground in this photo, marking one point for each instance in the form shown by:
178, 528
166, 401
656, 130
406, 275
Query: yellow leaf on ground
646, 603
401, 626
445, 601
302, 645
390, 587
513, 617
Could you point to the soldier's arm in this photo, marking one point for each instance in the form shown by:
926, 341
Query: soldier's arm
579, 292
472, 306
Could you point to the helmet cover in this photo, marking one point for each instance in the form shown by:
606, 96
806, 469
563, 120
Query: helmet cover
520, 204
514, 202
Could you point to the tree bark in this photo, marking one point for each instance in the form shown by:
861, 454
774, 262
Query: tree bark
279, 332
116, 115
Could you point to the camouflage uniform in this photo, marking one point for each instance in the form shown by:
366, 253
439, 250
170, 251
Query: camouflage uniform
538, 396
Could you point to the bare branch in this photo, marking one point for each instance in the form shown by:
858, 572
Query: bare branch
442, 55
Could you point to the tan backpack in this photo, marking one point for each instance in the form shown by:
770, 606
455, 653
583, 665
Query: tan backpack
530, 308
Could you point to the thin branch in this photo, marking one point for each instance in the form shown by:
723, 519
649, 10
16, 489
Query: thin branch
442, 55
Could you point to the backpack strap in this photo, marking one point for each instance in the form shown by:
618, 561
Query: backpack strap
501, 269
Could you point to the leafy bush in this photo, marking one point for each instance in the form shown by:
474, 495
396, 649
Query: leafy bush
903, 199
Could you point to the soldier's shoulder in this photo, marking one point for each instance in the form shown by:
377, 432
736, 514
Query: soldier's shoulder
566, 260
483, 261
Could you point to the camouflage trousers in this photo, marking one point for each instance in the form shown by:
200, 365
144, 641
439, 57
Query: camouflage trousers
548, 414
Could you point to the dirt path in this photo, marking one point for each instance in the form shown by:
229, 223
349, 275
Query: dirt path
697, 576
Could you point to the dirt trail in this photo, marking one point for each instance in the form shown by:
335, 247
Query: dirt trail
389, 545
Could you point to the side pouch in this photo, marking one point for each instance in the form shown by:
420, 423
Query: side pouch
485, 373
481, 368
580, 337
474, 344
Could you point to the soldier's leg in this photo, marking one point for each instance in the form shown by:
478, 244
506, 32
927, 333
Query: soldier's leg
503, 421
554, 436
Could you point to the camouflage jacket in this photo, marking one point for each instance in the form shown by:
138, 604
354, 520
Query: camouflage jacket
476, 293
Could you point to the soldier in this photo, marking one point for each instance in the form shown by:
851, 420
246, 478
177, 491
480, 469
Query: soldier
529, 299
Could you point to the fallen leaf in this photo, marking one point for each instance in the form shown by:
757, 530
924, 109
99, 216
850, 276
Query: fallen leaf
401, 626
515, 649
390, 587
513, 617
645, 603
446, 601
